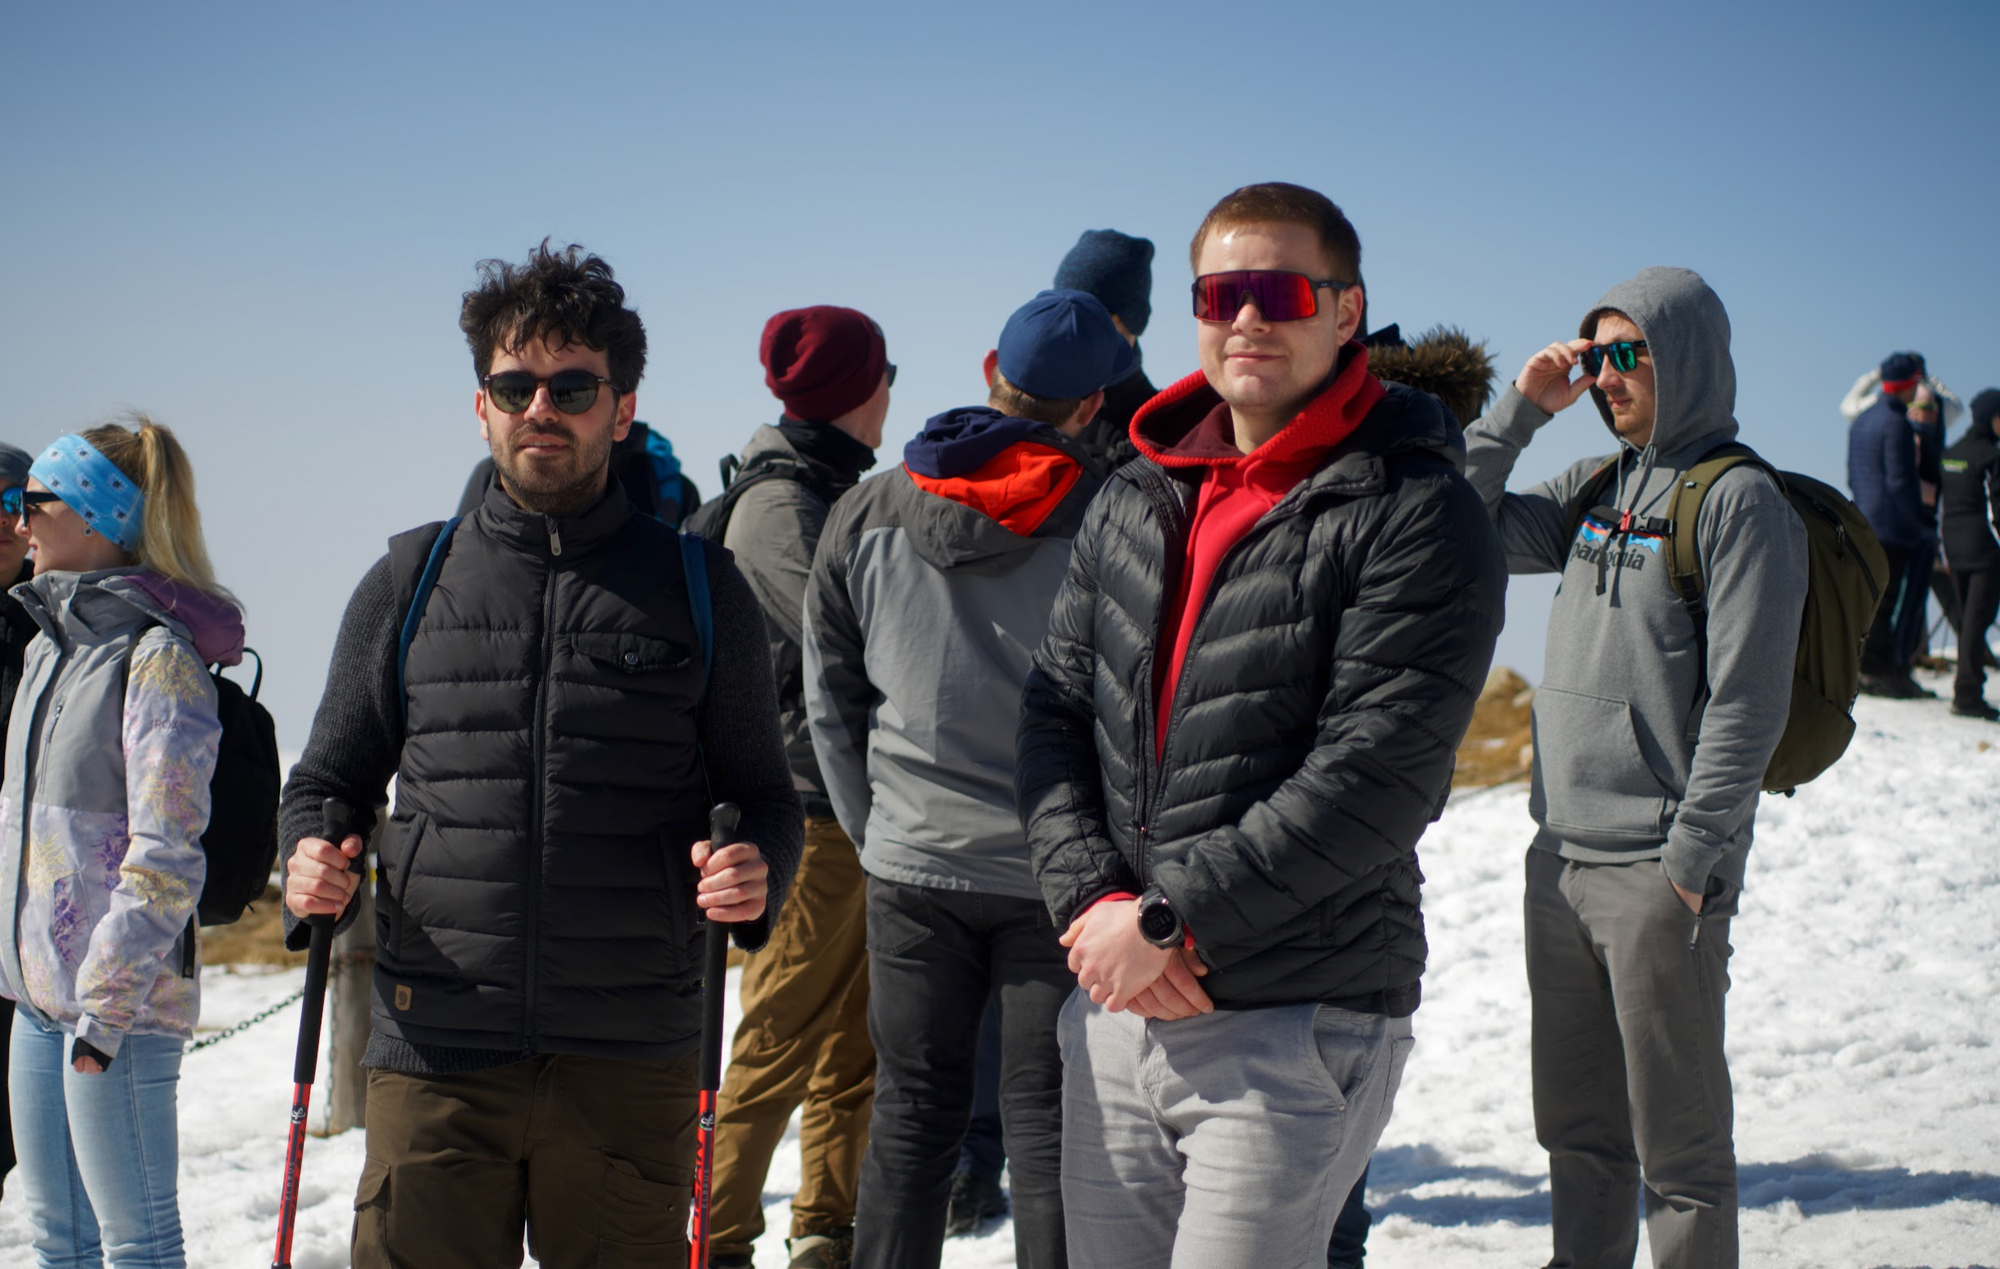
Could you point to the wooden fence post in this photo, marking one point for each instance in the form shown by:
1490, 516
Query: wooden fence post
349, 983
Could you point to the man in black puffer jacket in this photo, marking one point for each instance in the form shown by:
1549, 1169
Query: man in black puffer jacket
1969, 507
542, 884
1267, 649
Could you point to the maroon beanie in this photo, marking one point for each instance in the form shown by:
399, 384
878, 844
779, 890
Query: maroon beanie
822, 361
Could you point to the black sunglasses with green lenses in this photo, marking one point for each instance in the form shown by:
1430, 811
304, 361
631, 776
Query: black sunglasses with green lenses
570, 391
1623, 356
19, 500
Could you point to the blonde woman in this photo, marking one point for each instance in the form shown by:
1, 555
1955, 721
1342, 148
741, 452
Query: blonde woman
109, 753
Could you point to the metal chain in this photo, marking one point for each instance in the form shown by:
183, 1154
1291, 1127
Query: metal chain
274, 1010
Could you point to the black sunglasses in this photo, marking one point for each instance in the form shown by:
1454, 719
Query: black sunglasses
571, 391
892, 374
18, 501
1623, 356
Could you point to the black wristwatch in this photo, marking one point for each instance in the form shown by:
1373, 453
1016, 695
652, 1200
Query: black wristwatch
1159, 924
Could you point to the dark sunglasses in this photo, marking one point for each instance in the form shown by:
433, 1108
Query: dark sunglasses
19, 502
571, 391
1623, 356
1278, 295
892, 374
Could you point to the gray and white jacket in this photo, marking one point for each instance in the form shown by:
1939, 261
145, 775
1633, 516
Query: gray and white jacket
1644, 750
110, 750
922, 619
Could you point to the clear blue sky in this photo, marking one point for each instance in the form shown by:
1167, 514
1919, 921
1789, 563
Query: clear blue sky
256, 220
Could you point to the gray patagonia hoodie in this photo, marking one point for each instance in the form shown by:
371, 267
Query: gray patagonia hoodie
1633, 758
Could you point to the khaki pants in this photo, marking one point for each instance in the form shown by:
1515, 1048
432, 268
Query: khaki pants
595, 1157
803, 1039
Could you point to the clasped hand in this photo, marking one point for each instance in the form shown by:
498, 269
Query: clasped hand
1121, 970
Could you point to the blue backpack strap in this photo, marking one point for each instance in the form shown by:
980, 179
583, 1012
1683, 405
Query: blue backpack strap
694, 564
421, 597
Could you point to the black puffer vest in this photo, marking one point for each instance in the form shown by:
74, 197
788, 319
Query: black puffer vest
535, 892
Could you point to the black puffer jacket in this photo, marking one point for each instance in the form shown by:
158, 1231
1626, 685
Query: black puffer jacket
1325, 690
1969, 500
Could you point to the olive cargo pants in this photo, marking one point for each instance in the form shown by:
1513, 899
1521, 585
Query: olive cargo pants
593, 1156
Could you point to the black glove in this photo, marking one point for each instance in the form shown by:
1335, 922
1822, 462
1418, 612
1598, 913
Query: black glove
85, 1049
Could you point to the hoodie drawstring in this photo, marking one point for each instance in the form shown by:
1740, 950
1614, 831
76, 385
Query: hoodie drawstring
1627, 520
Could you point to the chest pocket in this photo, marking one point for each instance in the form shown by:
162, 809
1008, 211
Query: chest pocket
629, 660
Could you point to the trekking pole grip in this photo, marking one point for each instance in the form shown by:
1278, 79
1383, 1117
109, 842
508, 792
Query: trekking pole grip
722, 823
337, 822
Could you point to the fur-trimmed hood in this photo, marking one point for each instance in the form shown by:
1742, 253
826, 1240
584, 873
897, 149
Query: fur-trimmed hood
1445, 362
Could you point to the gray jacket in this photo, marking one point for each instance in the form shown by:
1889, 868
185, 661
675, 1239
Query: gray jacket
924, 615
1633, 760
773, 532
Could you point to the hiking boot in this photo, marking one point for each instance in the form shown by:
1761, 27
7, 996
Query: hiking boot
1976, 709
1896, 687
831, 1250
974, 1200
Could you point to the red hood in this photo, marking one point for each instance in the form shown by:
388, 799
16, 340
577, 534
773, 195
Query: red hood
1187, 425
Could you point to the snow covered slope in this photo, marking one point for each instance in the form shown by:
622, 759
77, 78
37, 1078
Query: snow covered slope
1862, 1041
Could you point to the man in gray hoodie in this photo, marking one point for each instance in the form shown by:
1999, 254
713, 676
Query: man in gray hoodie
1653, 727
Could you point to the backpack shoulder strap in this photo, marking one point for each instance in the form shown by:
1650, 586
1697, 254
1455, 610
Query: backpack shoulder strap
1683, 551
694, 565
413, 586
1588, 494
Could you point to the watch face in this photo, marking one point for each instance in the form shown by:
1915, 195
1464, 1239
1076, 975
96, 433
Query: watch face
1157, 921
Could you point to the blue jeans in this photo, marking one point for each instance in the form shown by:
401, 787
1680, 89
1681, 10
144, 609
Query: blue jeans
99, 1153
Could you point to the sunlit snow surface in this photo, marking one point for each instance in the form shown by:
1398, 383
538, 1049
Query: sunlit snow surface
1862, 1042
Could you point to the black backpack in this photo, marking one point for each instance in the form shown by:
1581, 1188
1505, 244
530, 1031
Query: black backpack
241, 840
711, 519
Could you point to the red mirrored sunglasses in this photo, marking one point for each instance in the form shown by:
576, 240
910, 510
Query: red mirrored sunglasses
1279, 295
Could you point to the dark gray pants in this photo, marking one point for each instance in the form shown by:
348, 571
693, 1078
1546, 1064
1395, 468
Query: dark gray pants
934, 956
1629, 1077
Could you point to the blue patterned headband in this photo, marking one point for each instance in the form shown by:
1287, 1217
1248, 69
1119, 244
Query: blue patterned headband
92, 486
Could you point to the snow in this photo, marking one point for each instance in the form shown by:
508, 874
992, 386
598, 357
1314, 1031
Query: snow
1862, 1044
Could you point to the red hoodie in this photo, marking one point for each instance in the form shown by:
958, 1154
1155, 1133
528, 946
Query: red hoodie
1237, 489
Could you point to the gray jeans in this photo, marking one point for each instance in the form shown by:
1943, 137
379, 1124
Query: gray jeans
1219, 1141
1629, 1076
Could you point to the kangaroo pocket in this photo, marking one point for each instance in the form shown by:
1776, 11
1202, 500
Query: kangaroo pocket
1593, 783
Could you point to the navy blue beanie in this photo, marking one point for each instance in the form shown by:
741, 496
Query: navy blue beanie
1984, 407
1117, 269
1061, 345
1903, 368
14, 464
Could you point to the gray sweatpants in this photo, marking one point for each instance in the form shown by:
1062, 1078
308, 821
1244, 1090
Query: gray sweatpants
1225, 1141
1629, 1076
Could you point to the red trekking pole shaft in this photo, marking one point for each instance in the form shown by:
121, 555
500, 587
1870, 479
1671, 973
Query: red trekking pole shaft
722, 823
337, 822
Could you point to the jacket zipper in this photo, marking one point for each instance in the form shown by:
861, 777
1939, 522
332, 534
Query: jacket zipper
1155, 754
539, 803
31, 754
1174, 520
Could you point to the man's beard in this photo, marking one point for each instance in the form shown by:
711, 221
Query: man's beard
556, 488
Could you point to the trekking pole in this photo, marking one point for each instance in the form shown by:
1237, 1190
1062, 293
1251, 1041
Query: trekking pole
337, 822
714, 981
